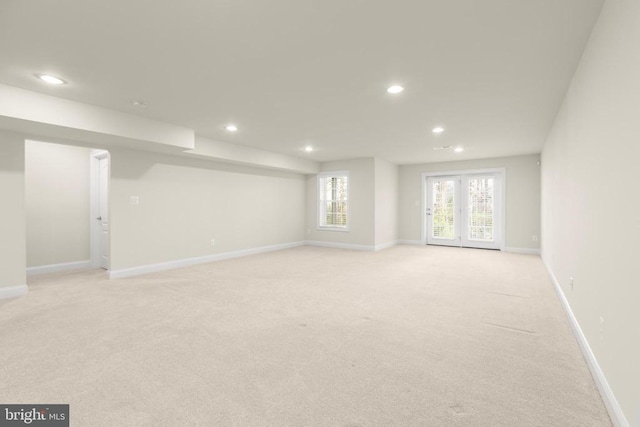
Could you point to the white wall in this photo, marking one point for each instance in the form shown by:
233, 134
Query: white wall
386, 202
184, 203
590, 198
57, 203
12, 222
522, 197
361, 204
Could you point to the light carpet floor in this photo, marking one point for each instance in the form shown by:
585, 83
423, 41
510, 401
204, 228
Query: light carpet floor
409, 336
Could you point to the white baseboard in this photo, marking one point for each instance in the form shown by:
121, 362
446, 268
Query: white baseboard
152, 268
53, 268
13, 291
610, 401
340, 245
522, 250
409, 242
386, 245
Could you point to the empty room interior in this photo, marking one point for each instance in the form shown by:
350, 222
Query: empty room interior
319, 213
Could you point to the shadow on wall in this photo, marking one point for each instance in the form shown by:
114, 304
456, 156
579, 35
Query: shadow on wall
145, 162
9, 164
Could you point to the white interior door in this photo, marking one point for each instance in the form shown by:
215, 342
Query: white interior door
103, 212
465, 210
443, 211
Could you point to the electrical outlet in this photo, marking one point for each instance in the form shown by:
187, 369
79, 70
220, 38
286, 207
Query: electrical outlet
134, 200
601, 327
213, 242
534, 238
571, 283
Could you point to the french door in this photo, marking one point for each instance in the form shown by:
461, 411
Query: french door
465, 210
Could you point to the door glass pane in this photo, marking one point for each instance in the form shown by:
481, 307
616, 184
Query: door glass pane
481, 209
443, 209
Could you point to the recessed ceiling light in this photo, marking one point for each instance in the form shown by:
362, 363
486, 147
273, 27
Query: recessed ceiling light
308, 148
231, 128
52, 80
438, 129
458, 149
139, 104
395, 89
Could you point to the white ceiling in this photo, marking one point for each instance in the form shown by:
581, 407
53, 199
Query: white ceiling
296, 72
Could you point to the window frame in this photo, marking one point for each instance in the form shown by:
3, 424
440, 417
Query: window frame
319, 191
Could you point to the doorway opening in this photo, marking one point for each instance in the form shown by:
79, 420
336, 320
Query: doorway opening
62, 189
99, 212
464, 208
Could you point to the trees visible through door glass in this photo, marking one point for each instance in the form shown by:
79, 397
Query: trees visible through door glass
443, 209
481, 209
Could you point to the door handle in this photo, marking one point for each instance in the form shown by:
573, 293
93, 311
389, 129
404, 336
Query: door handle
99, 218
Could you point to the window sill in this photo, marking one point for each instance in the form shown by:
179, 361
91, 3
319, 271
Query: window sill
342, 229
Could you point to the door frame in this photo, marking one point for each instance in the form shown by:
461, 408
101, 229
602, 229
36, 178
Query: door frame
94, 208
502, 172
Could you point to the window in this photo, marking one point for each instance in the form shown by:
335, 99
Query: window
333, 195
